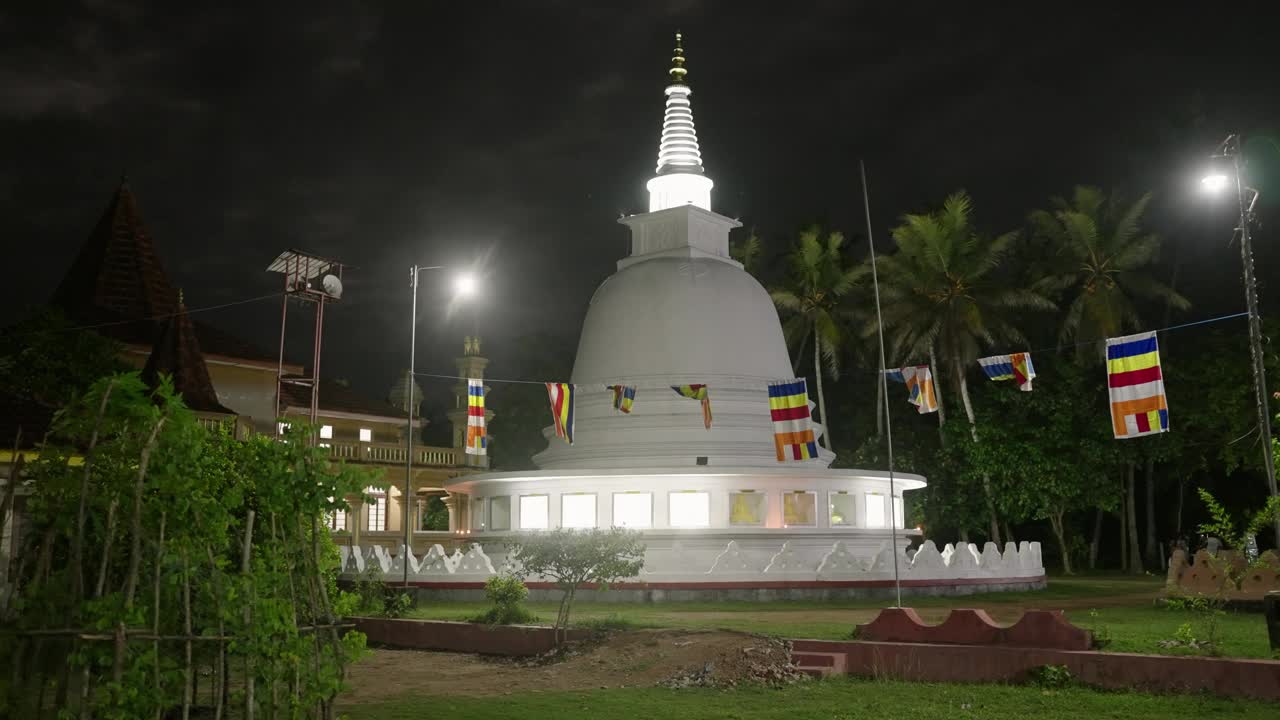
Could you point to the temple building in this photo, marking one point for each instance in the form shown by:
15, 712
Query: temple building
118, 285
720, 514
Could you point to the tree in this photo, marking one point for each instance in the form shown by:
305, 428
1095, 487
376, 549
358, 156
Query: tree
1098, 260
942, 296
1098, 256
45, 359
748, 253
574, 558
812, 301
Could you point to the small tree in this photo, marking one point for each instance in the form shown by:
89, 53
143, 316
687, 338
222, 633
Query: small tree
573, 558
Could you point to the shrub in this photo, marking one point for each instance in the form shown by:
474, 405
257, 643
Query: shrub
574, 558
507, 593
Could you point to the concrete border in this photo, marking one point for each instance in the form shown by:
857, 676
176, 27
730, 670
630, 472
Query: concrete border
512, 640
1234, 677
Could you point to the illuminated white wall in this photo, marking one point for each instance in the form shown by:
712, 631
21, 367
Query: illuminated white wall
876, 512
578, 510
676, 189
633, 510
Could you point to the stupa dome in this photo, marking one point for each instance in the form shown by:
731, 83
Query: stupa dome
684, 319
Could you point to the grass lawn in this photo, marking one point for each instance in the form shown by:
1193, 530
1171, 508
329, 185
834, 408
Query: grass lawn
835, 699
1116, 606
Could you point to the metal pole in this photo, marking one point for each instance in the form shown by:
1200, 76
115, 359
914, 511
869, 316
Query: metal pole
884, 387
1255, 329
408, 456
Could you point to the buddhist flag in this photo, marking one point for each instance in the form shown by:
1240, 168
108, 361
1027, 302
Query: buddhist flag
789, 408
1015, 367
562, 402
1138, 403
477, 441
624, 396
919, 382
697, 392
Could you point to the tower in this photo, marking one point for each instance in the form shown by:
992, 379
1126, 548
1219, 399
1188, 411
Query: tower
471, 366
680, 179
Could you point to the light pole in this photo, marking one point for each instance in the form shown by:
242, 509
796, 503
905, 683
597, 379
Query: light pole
1246, 198
464, 285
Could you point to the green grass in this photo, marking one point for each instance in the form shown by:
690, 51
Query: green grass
1125, 612
836, 699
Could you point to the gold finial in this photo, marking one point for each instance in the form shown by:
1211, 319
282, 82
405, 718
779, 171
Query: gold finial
677, 70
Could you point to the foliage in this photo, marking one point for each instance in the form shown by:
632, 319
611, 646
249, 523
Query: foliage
1203, 634
507, 593
1050, 676
1223, 526
149, 534
43, 358
812, 301
574, 558
1094, 248
748, 253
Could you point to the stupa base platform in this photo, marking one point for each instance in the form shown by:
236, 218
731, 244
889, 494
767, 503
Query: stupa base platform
758, 565
744, 591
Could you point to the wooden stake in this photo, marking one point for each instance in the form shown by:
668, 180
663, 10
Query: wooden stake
246, 554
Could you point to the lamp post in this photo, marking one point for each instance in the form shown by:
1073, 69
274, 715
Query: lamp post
464, 285
1246, 198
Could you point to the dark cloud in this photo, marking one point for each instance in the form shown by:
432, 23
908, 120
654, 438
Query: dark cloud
514, 134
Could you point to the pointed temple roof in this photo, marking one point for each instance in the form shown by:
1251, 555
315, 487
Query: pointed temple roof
177, 353
117, 278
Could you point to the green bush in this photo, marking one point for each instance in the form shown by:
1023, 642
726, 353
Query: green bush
507, 593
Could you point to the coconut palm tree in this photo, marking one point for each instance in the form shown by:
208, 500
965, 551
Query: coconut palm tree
748, 253
1099, 257
943, 297
812, 303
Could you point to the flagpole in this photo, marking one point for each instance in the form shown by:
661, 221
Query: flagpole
884, 387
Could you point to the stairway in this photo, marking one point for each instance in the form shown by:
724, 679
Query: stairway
815, 659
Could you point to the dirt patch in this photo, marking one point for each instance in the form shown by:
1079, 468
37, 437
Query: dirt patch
674, 658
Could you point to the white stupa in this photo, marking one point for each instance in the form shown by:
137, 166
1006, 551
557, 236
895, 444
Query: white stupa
718, 510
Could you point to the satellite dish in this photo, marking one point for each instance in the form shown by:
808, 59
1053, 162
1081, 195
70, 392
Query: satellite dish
332, 286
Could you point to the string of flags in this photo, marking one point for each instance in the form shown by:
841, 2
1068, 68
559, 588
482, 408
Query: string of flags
477, 442
1135, 384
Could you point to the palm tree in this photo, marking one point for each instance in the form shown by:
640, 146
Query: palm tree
1100, 257
812, 302
942, 297
748, 253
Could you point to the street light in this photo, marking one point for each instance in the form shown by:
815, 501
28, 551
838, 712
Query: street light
1225, 177
464, 285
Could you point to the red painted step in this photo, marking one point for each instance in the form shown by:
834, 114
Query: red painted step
820, 664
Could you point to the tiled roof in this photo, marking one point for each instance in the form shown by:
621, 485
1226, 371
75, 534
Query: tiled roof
177, 353
337, 397
117, 278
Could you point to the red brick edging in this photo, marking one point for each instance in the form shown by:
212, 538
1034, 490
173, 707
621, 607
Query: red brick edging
1237, 677
964, 626
461, 636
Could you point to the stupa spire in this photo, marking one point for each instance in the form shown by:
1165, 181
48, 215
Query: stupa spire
680, 179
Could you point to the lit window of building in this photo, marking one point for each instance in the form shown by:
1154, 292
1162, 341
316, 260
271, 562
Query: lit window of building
578, 510
747, 507
326, 432
689, 509
876, 511
534, 512
799, 508
377, 510
843, 508
633, 510
366, 435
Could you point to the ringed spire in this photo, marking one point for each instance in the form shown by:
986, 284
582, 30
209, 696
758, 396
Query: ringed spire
680, 179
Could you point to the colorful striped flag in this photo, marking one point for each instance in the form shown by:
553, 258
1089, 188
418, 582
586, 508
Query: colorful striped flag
697, 392
1138, 403
919, 382
789, 408
1015, 367
624, 396
562, 402
477, 440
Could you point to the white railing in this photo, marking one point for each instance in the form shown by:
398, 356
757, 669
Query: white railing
392, 453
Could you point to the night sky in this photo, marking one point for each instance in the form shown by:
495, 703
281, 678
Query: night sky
514, 135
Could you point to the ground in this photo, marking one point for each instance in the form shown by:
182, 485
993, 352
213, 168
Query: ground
732, 645
1123, 608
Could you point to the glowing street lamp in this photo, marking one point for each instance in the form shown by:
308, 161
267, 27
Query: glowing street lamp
464, 285
1224, 176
